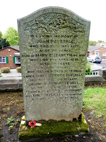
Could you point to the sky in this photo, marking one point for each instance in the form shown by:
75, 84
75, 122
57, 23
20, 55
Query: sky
92, 10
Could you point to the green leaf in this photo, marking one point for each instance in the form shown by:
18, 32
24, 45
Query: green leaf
11, 35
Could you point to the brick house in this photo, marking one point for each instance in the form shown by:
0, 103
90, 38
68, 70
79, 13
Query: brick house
98, 51
10, 57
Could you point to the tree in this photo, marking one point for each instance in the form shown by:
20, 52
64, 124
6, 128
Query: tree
100, 41
92, 43
0, 35
4, 43
11, 35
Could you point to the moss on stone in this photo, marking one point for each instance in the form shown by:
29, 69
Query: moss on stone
53, 128
23, 118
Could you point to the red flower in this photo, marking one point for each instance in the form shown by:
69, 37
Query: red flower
32, 123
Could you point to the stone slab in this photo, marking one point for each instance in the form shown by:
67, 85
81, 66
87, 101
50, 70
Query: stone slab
94, 78
54, 44
10, 83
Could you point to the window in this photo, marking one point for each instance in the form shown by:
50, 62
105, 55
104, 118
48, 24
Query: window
104, 54
3, 59
16, 60
97, 52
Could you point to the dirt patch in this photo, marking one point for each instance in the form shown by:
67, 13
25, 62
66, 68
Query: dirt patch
12, 105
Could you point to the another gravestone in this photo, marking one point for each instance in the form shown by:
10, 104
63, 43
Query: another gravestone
53, 44
102, 72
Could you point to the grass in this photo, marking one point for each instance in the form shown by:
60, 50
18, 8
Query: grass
95, 99
10, 121
88, 65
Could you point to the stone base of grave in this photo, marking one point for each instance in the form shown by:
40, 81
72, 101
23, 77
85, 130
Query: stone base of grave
52, 129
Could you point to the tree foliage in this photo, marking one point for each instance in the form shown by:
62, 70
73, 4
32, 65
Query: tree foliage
11, 35
1, 35
92, 43
100, 41
4, 43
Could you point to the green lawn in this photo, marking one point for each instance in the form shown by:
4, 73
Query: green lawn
95, 100
88, 65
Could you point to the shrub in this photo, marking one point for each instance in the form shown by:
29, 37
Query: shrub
5, 69
18, 69
88, 71
87, 61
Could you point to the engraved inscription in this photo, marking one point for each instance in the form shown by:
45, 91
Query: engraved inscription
48, 55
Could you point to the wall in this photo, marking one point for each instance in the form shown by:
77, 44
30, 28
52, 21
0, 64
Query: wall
96, 79
5, 53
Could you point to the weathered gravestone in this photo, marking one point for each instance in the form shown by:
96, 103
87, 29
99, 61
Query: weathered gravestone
53, 44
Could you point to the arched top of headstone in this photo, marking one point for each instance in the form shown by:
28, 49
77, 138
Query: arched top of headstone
53, 9
49, 16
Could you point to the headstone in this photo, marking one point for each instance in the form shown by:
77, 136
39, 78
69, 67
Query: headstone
53, 45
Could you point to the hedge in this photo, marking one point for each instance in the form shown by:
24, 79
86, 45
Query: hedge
18, 69
5, 69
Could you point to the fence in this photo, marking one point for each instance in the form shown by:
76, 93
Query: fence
92, 73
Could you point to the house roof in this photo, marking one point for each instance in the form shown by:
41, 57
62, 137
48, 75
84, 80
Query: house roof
13, 47
92, 48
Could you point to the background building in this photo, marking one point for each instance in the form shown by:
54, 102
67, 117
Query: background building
98, 51
10, 57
